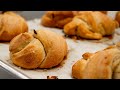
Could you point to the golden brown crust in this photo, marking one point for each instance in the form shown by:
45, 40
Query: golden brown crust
26, 52
56, 18
11, 25
30, 57
87, 55
55, 48
59, 18
78, 68
90, 25
101, 65
105, 12
20, 41
38, 49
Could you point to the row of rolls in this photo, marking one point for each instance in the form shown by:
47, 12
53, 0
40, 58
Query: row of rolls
86, 24
46, 49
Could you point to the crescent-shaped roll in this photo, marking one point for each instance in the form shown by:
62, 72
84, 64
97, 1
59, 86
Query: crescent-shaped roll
104, 64
57, 18
91, 25
11, 24
38, 49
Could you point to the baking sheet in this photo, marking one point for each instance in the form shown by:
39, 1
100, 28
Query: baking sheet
64, 70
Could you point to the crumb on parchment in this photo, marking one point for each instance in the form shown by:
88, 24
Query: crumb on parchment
52, 77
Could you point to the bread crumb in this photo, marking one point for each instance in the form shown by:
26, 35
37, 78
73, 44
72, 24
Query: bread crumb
52, 77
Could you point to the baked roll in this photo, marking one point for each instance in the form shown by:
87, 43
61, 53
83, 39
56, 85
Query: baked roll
104, 64
11, 25
38, 49
57, 19
91, 25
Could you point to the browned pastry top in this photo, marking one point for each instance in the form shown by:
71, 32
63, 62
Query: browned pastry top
104, 64
90, 25
38, 49
57, 18
11, 25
